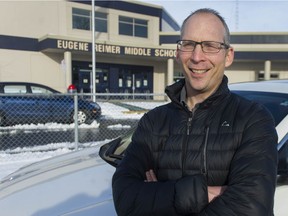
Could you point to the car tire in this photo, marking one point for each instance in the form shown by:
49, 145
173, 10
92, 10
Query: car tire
83, 117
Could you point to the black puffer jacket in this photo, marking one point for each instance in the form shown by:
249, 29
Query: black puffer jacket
228, 140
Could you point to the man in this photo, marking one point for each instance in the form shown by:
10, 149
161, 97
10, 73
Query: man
208, 152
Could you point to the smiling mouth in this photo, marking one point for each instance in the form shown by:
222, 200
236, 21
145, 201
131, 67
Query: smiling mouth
197, 71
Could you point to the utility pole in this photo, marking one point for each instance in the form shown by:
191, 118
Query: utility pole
93, 53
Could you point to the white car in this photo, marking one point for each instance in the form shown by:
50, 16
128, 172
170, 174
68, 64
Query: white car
79, 183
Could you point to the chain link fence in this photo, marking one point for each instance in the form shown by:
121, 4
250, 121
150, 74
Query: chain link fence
32, 124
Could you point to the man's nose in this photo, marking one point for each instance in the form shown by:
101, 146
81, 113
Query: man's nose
197, 54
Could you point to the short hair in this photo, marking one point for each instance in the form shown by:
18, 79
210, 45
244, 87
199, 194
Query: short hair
215, 13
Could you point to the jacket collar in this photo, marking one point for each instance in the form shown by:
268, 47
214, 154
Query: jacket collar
174, 92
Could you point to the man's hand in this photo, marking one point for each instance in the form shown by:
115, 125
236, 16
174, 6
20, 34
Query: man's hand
150, 176
215, 191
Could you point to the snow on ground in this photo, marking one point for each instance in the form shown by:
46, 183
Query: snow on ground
11, 160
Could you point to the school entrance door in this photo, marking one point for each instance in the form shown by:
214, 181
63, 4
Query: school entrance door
112, 78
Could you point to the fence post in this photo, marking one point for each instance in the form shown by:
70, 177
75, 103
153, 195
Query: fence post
76, 139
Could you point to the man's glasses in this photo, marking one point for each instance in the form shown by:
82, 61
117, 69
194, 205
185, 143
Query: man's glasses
207, 46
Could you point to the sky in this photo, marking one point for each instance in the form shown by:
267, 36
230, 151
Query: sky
240, 15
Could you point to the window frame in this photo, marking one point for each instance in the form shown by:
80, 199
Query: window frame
100, 17
136, 28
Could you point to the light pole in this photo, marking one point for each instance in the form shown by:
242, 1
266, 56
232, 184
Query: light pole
93, 53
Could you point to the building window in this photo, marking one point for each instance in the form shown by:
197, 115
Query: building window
133, 27
100, 22
81, 19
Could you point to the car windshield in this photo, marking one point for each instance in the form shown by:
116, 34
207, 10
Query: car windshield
276, 103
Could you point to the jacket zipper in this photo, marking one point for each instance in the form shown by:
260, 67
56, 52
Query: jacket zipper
204, 168
184, 148
189, 123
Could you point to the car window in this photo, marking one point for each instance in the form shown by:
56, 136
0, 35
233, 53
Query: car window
40, 90
15, 89
276, 103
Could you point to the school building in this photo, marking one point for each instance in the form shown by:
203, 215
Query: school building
50, 42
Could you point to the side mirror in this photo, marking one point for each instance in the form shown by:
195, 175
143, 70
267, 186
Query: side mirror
114, 151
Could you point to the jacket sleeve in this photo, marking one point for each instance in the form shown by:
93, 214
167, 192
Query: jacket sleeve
253, 171
133, 196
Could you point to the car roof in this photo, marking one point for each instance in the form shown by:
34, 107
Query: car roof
20, 83
277, 86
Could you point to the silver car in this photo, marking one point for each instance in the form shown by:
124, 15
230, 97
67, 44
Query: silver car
79, 183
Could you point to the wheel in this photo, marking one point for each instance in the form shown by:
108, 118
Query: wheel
82, 117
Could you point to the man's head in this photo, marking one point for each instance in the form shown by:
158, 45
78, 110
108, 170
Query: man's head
204, 51
226, 38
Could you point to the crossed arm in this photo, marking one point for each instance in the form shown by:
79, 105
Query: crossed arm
213, 191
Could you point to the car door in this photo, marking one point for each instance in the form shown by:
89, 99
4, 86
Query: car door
52, 106
58, 107
16, 107
44, 103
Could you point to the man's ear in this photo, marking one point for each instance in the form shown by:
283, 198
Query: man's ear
229, 57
